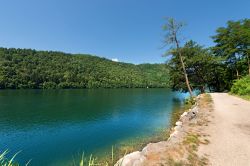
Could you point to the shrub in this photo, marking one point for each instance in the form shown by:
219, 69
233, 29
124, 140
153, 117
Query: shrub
241, 86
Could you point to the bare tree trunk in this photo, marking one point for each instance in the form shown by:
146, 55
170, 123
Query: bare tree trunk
248, 62
237, 73
186, 76
183, 68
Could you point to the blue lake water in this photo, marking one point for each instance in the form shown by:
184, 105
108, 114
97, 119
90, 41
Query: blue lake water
51, 126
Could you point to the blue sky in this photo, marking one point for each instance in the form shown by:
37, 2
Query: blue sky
129, 30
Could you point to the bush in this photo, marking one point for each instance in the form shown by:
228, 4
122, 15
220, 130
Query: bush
241, 86
190, 101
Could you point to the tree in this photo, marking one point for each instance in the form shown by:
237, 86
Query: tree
201, 67
172, 28
246, 41
25, 68
233, 43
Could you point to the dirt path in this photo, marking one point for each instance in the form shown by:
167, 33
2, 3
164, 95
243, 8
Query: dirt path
229, 132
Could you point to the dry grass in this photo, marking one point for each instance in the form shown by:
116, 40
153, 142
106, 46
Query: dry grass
185, 153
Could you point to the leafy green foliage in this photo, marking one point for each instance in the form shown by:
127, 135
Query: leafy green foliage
26, 68
242, 86
201, 66
233, 43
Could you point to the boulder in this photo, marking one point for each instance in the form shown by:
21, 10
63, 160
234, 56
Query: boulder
177, 128
154, 147
179, 123
191, 114
174, 134
184, 114
132, 159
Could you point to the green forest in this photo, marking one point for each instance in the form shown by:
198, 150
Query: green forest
27, 68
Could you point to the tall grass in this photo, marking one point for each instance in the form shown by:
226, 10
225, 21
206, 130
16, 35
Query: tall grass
4, 161
91, 161
94, 161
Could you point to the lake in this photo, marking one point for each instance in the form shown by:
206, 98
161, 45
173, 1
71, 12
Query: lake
51, 126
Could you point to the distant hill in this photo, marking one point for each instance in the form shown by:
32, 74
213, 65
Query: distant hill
27, 68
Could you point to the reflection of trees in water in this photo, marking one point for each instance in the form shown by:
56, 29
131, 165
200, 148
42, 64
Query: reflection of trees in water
38, 107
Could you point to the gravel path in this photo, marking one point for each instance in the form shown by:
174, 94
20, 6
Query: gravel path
229, 132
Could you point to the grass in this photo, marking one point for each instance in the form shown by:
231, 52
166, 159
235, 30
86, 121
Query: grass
186, 153
245, 97
4, 161
91, 161
94, 161
192, 142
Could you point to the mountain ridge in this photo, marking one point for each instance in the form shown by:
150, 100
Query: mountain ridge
31, 69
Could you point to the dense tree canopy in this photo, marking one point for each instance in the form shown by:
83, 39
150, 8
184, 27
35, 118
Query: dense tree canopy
201, 66
26, 68
217, 67
233, 43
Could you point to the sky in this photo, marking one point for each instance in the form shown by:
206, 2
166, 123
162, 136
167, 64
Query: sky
122, 30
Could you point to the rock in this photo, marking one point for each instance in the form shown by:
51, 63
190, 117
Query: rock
191, 115
139, 158
177, 128
184, 114
179, 123
154, 147
132, 159
174, 134
195, 109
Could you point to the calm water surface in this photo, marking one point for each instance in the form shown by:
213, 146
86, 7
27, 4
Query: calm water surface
50, 126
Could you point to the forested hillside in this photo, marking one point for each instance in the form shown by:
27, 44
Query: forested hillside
26, 68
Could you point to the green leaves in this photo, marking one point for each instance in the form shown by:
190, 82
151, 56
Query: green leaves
25, 68
242, 86
232, 42
201, 67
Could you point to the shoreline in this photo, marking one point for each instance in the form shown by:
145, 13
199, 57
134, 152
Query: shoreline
149, 155
137, 144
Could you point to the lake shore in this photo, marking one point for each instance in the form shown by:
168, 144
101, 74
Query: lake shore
182, 145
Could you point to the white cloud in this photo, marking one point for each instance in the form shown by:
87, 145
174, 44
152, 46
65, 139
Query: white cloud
115, 60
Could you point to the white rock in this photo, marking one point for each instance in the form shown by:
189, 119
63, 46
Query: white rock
174, 134
184, 114
154, 147
132, 159
179, 123
177, 128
